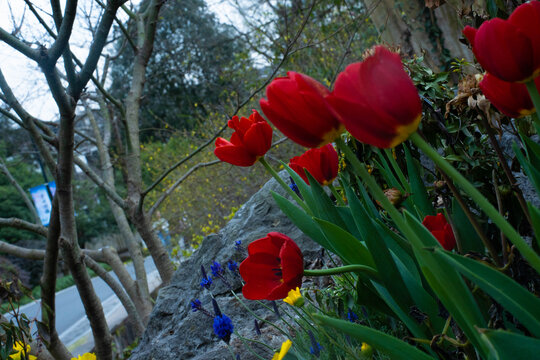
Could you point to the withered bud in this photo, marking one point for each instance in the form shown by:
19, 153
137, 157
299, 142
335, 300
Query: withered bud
395, 196
439, 184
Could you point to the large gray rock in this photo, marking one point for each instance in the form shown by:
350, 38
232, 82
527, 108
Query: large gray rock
175, 332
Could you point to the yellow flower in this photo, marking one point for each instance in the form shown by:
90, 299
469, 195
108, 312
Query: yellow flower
366, 350
19, 355
284, 349
85, 356
294, 298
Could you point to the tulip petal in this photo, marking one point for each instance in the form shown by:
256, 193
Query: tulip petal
376, 100
273, 266
295, 132
292, 264
470, 34
504, 50
235, 155
289, 98
271, 244
387, 88
296, 106
258, 138
512, 99
527, 18
329, 163
441, 230
364, 124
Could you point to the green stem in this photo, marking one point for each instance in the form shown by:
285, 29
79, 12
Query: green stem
258, 317
338, 197
390, 155
535, 97
245, 342
527, 252
272, 172
231, 351
343, 269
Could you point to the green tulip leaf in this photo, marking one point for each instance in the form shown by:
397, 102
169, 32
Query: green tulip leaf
388, 270
535, 217
512, 296
533, 151
396, 349
325, 207
419, 192
302, 220
507, 345
386, 172
468, 236
447, 283
304, 188
350, 249
532, 173
397, 170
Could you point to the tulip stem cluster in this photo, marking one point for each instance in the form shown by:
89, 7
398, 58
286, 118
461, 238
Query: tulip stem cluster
338, 197
343, 269
371, 183
535, 97
527, 252
282, 183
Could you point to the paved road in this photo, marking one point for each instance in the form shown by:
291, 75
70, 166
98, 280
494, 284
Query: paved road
71, 321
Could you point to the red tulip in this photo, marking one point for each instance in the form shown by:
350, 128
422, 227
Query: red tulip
509, 49
512, 99
441, 230
321, 163
377, 101
274, 266
296, 106
251, 139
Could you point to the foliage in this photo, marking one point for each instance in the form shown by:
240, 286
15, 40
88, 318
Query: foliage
27, 175
197, 63
208, 198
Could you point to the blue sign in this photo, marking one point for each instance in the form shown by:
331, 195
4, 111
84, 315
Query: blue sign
42, 201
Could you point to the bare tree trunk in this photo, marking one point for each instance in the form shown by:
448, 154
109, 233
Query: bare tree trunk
140, 295
68, 232
146, 27
418, 30
48, 288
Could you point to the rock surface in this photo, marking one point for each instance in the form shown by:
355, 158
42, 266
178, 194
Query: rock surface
176, 332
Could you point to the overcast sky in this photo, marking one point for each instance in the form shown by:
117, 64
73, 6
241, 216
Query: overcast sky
23, 75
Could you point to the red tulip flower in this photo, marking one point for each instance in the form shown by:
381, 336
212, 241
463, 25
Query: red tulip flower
321, 163
251, 139
509, 49
441, 230
274, 266
296, 106
376, 100
512, 99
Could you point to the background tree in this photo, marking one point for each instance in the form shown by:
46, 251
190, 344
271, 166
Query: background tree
197, 64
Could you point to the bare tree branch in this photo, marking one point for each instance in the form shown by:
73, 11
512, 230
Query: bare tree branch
64, 32
19, 45
23, 225
98, 180
133, 316
100, 40
29, 123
